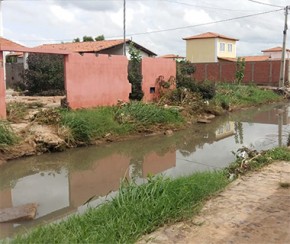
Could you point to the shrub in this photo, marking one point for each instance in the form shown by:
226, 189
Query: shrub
134, 74
45, 75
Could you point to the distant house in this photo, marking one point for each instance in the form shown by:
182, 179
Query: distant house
110, 47
209, 47
276, 53
173, 56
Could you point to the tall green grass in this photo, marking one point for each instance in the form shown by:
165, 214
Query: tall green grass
239, 95
91, 124
7, 136
135, 211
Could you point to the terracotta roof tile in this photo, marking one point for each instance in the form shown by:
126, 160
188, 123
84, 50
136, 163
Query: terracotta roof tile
7, 43
93, 46
209, 35
274, 49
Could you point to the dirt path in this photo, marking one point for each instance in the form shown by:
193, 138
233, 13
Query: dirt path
253, 209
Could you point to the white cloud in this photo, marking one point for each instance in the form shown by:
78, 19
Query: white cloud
36, 22
61, 14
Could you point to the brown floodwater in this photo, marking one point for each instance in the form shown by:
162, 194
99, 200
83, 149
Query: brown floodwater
61, 183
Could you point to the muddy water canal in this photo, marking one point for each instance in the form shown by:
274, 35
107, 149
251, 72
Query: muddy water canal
61, 183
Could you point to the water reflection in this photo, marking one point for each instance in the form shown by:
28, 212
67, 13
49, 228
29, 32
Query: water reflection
60, 183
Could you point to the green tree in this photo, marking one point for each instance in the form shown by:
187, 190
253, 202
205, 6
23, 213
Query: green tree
240, 72
100, 38
76, 40
134, 73
88, 39
45, 74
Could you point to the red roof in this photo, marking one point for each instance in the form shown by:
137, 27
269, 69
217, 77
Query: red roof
208, 35
93, 46
275, 49
7, 43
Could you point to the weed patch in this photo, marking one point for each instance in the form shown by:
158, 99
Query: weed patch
7, 136
16, 111
238, 95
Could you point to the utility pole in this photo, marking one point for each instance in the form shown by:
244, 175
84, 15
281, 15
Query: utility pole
282, 68
124, 28
1, 19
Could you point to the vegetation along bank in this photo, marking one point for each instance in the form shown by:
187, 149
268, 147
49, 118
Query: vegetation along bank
31, 128
141, 209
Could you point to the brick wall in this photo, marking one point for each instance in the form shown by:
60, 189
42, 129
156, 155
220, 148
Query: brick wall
260, 73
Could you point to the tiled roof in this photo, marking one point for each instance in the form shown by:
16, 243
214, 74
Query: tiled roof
171, 56
209, 35
275, 49
7, 43
247, 58
94, 46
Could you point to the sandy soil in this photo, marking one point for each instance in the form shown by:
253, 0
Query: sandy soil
252, 209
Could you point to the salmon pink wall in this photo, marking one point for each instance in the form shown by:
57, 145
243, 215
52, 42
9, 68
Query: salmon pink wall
93, 81
152, 69
2, 89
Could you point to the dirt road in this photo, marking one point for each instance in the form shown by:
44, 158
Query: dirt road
253, 209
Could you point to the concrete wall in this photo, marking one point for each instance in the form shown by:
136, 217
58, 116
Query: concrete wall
14, 72
260, 73
201, 50
2, 89
93, 81
152, 69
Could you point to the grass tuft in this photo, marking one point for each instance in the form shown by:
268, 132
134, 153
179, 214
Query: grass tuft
7, 136
239, 95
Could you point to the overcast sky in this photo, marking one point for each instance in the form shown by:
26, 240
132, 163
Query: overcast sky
158, 25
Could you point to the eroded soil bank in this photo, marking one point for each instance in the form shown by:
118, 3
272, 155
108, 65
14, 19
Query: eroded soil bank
252, 209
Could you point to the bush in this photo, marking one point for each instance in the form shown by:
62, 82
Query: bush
45, 75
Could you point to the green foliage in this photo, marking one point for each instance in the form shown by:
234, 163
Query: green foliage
90, 124
240, 72
135, 211
232, 95
77, 39
147, 114
87, 125
45, 75
88, 39
185, 69
134, 73
7, 136
100, 38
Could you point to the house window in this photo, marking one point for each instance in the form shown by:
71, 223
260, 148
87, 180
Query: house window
230, 47
222, 47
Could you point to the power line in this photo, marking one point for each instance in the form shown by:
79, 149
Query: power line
207, 7
267, 4
176, 28
203, 24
